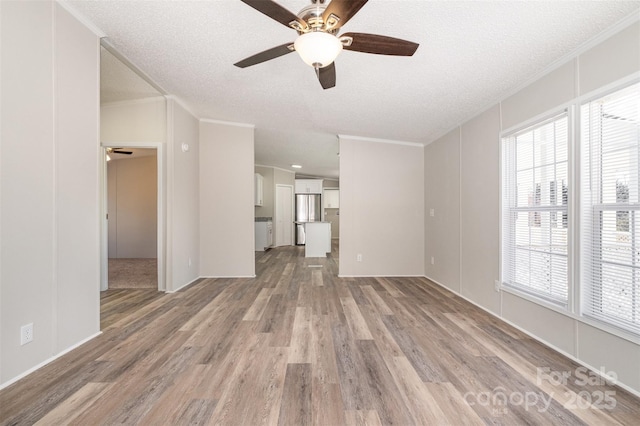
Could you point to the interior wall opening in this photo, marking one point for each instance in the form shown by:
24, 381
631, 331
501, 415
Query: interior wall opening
132, 198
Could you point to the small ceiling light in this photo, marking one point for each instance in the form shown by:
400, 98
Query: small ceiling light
296, 166
318, 49
108, 158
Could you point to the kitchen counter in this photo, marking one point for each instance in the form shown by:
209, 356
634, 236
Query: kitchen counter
318, 239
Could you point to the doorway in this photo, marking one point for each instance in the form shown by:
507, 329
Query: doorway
284, 215
133, 220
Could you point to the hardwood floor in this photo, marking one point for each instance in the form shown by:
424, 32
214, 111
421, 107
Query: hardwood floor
297, 345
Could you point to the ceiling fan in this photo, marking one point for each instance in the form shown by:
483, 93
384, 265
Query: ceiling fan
118, 151
318, 43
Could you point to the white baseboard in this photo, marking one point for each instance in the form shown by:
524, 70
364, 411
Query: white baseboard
47, 361
538, 338
183, 286
381, 276
231, 276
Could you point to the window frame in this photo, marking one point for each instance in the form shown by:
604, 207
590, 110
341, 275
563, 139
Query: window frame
573, 310
565, 213
583, 261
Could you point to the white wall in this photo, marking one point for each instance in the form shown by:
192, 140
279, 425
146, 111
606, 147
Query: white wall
442, 158
226, 200
183, 211
49, 186
143, 120
478, 251
479, 208
381, 208
133, 207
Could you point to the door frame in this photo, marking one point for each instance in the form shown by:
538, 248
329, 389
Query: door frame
161, 208
275, 212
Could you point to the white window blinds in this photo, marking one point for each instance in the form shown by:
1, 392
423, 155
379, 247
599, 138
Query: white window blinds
535, 209
610, 207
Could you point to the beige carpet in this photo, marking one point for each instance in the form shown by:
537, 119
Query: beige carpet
133, 273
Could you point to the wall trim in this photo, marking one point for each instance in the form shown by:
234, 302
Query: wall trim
378, 140
572, 55
106, 43
305, 176
184, 286
227, 123
538, 338
226, 276
47, 361
575, 54
183, 105
380, 276
275, 168
613, 86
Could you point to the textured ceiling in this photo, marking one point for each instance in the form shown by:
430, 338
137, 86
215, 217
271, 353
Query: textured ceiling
471, 54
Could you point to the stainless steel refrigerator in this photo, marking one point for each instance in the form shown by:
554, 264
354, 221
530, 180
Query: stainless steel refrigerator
308, 209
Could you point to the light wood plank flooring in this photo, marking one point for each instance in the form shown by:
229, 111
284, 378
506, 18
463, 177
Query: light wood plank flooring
297, 345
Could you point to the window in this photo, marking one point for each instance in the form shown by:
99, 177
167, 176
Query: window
535, 217
610, 225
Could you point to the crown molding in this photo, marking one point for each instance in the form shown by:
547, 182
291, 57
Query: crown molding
377, 140
227, 123
571, 56
183, 105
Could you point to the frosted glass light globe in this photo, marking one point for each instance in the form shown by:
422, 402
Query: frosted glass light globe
318, 49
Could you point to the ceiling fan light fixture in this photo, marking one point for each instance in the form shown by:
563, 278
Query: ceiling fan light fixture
318, 49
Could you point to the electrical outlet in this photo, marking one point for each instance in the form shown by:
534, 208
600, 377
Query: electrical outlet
359, 257
432, 212
497, 285
433, 261
26, 334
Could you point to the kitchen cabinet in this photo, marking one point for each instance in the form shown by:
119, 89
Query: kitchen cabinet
259, 189
308, 186
318, 241
331, 198
264, 235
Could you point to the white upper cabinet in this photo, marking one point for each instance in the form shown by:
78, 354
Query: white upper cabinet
259, 189
308, 186
331, 198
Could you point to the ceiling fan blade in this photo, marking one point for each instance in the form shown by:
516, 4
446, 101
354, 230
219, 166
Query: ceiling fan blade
380, 45
268, 54
343, 10
117, 151
327, 76
276, 12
